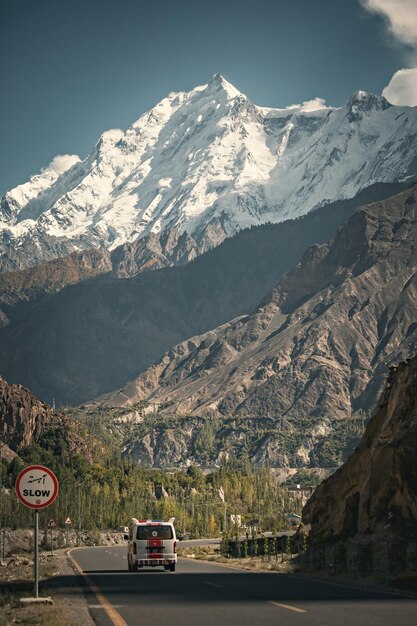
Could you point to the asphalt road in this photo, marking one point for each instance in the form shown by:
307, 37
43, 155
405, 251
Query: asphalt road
214, 595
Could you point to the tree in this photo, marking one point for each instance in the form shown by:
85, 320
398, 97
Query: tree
195, 473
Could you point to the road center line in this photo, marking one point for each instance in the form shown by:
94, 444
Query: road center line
113, 615
288, 607
213, 584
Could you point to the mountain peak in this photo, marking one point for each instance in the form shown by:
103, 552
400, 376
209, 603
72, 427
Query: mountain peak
363, 101
359, 94
219, 83
208, 156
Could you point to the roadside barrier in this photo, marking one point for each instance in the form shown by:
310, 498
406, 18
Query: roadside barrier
285, 547
355, 557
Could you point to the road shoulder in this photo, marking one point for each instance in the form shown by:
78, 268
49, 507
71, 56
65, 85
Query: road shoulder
58, 580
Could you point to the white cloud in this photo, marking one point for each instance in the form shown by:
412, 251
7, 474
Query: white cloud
400, 15
310, 105
402, 88
62, 162
314, 105
401, 19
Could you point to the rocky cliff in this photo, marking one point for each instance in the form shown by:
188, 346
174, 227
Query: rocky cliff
376, 489
25, 420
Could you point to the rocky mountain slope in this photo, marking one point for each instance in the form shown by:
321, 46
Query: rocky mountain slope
157, 251
92, 337
148, 253
53, 276
376, 489
208, 162
25, 420
145, 253
315, 351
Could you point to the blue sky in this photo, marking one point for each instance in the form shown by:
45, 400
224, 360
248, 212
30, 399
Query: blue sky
72, 69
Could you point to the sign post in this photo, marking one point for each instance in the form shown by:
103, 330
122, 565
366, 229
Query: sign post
67, 527
36, 488
51, 525
36, 559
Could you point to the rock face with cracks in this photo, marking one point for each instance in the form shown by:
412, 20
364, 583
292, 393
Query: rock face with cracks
24, 420
376, 489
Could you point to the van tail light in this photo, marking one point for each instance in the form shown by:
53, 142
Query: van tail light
134, 547
175, 547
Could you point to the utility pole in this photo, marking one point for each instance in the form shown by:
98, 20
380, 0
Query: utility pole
2, 509
79, 485
79, 518
183, 513
223, 499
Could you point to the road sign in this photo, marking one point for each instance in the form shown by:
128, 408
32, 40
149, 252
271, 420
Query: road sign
51, 523
36, 486
68, 521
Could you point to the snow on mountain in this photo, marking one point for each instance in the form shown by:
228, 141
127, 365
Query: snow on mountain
211, 159
27, 201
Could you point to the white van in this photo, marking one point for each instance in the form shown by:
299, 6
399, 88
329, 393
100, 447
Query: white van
151, 543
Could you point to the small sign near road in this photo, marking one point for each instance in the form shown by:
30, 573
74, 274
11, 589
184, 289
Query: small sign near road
68, 521
36, 486
51, 523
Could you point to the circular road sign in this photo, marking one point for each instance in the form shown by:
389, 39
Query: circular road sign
36, 486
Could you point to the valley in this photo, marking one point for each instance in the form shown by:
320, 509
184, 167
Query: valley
290, 382
208, 313
310, 361
253, 320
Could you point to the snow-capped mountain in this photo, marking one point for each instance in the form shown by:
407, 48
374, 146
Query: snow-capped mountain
209, 162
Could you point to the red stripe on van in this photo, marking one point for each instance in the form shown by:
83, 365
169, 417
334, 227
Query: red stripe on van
151, 545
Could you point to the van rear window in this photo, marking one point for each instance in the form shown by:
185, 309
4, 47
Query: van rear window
154, 532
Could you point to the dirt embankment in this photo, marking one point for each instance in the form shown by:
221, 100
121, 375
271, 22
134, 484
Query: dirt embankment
21, 540
56, 581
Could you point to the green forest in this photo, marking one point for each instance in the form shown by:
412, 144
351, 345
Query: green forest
100, 489
106, 493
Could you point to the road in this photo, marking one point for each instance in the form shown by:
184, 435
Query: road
214, 595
